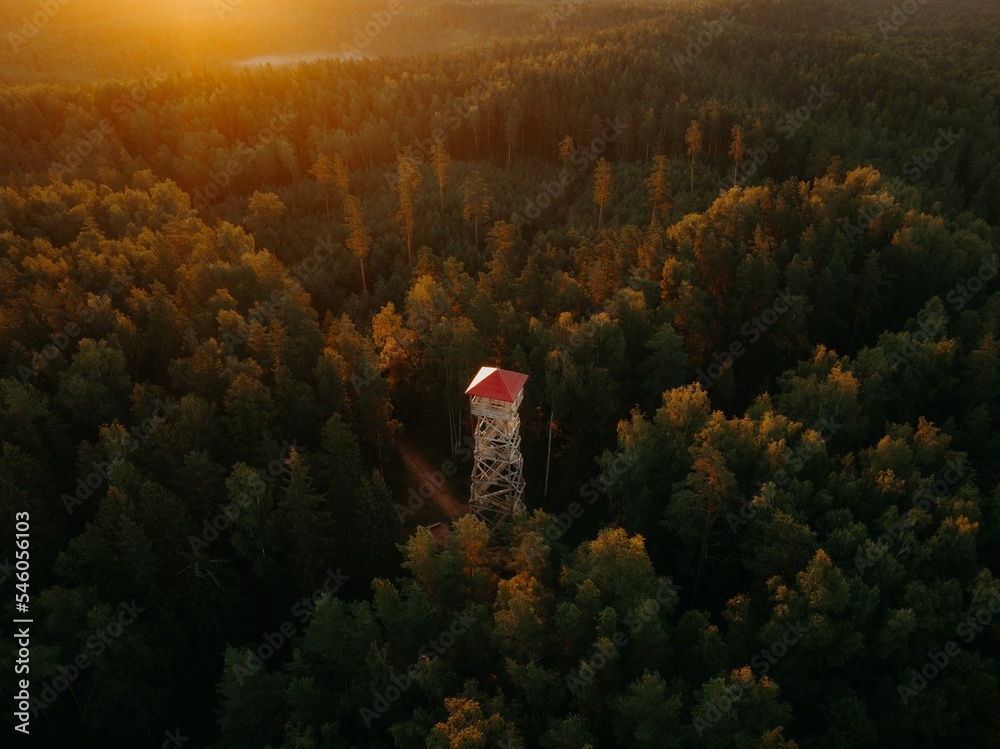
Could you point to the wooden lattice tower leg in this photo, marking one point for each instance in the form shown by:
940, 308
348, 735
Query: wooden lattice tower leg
498, 469
497, 474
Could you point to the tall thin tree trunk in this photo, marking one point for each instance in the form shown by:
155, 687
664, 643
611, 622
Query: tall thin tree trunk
548, 458
701, 564
69, 683
451, 427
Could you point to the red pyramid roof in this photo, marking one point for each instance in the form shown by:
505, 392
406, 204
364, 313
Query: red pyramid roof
498, 384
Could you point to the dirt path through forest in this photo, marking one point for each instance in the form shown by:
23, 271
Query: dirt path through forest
422, 473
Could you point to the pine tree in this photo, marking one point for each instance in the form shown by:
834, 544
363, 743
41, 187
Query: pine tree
307, 524
440, 159
477, 201
511, 124
501, 237
602, 187
565, 151
737, 149
342, 179
322, 170
694, 145
408, 188
658, 184
359, 241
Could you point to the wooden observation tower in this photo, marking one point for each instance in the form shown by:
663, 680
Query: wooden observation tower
498, 471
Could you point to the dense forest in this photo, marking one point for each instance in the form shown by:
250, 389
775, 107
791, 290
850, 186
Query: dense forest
252, 253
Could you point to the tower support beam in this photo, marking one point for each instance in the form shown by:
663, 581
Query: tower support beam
498, 468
